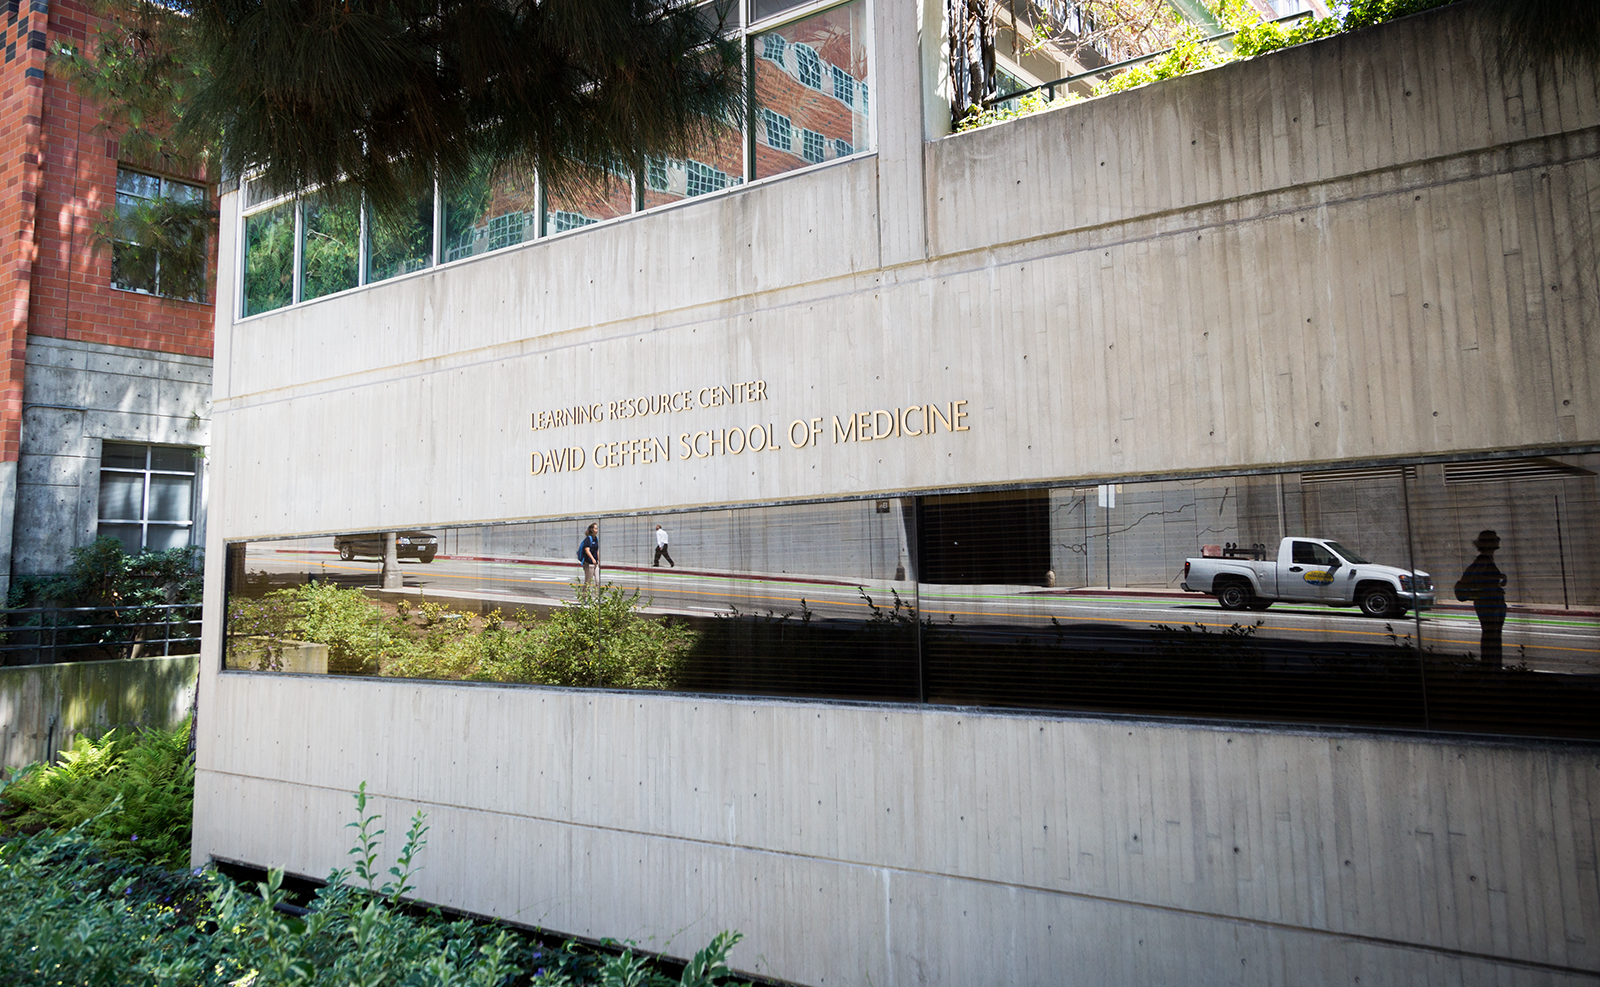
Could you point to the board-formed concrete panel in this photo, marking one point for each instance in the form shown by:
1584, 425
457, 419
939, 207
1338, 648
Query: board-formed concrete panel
76, 396
666, 819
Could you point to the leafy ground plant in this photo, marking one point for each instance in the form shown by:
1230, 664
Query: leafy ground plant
72, 912
600, 639
133, 792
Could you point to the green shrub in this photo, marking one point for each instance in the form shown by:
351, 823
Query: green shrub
1192, 54
602, 640
135, 794
1189, 55
599, 640
1261, 38
1022, 106
349, 622
71, 915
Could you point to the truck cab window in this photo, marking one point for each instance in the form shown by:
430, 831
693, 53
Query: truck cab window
1310, 553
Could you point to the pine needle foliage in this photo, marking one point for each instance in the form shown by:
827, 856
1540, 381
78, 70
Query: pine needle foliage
1546, 34
371, 97
140, 70
133, 793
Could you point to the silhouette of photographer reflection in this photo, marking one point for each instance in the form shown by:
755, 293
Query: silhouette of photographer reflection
1485, 585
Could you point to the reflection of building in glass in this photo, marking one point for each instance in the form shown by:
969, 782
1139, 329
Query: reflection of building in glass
811, 86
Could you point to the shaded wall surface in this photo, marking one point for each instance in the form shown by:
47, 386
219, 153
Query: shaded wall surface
43, 708
899, 845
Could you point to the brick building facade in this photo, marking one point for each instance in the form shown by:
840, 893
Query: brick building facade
94, 376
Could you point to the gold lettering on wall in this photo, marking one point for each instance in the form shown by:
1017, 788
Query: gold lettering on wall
651, 405
910, 421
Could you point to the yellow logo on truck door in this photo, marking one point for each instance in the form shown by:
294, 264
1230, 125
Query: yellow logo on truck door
1319, 577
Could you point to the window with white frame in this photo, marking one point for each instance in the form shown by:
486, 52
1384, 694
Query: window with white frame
812, 145
561, 221
807, 66
148, 207
703, 178
842, 149
147, 495
778, 132
844, 85
505, 230
656, 173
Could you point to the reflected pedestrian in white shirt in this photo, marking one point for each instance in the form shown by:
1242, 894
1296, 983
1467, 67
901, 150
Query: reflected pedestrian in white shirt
661, 548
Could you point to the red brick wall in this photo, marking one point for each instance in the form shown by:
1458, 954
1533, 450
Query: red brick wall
22, 88
58, 175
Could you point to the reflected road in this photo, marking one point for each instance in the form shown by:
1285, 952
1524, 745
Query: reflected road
1548, 640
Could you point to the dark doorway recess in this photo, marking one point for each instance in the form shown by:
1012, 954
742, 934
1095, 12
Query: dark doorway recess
984, 538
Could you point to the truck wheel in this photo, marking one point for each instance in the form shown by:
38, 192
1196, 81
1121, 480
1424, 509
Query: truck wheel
1379, 602
1235, 595
345, 552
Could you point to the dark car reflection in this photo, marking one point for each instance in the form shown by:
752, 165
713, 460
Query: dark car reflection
419, 545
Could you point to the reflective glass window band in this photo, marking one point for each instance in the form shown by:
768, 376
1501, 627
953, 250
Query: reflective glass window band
821, 50
400, 244
811, 74
1085, 610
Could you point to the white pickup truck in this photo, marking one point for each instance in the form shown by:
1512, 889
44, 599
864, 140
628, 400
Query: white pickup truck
1307, 570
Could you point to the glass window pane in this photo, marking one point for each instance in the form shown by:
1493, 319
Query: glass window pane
162, 537
812, 79
721, 16
269, 259
134, 183
169, 498
129, 534
122, 496
488, 212
183, 191
717, 163
122, 455
331, 248
133, 268
401, 243
172, 458
588, 203
760, 9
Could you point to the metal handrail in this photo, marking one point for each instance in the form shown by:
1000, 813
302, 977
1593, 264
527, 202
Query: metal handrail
122, 633
1131, 62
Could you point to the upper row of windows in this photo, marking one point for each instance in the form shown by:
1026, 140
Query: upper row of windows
810, 78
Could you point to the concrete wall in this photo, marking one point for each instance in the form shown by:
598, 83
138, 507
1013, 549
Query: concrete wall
1368, 247
43, 708
76, 396
896, 845
1282, 261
